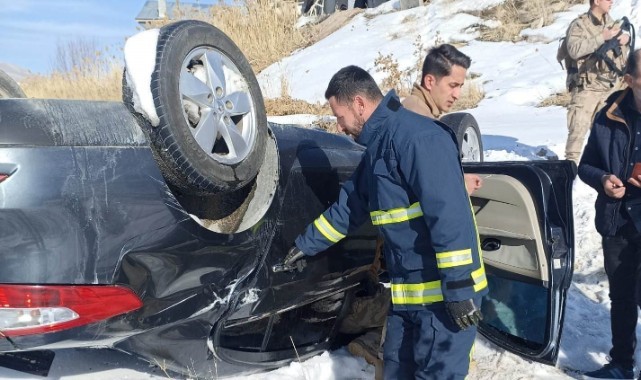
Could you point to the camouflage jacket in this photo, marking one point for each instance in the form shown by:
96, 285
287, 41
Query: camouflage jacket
583, 38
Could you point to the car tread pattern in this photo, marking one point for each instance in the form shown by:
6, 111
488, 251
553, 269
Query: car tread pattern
182, 162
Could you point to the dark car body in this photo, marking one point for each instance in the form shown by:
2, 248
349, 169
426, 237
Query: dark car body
83, 203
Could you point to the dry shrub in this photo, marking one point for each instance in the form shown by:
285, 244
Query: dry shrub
471, 95
559, 99
515, 15
81, 71
400, 80
396, 78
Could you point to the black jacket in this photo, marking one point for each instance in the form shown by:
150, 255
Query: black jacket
608, 151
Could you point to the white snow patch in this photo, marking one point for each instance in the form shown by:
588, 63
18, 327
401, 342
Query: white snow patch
140, 62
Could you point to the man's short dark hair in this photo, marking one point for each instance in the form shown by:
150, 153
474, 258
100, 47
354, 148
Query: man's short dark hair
634, 60
351, 81
440, 59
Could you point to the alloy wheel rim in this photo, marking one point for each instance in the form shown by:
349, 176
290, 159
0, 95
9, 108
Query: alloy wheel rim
470, 146
217, 105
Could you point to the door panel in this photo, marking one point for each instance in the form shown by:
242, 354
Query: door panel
505, 211
524, 219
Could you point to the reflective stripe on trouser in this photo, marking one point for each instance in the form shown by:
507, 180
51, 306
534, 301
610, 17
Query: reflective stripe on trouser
581, 111
425, 344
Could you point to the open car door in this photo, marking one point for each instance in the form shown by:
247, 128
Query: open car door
524, 218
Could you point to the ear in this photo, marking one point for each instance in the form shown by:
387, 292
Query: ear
429, 81
359, 104
627, 78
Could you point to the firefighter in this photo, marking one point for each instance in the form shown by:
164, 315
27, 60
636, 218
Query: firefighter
442, 77
410, 185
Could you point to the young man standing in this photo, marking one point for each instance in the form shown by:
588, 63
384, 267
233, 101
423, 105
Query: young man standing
591, 79
608, 165
442, 77
417, 198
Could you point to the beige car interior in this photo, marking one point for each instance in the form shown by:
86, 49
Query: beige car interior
505, 211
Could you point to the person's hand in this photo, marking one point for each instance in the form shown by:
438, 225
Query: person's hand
464, 313
613, 186
624, 38
635, 181
472, 183
293, 255
609, 33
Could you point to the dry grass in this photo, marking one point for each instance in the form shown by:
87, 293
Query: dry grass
81, 71
286, 105
264, 30
560, 99
515, 15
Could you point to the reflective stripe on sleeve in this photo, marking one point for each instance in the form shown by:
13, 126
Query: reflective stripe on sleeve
417, 294
454, 258
396, 215
430, 292
480, 281
327, 230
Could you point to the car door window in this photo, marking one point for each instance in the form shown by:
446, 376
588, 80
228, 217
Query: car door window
524, 223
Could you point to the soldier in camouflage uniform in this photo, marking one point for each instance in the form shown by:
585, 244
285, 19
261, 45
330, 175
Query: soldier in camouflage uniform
590, 79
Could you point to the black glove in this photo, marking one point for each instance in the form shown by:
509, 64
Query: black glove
464, 313
293, 255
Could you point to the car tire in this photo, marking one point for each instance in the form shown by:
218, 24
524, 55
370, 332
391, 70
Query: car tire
9, 88
467, 134
213, 125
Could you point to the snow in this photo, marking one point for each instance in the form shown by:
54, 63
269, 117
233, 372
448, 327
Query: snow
140, 61
515, 78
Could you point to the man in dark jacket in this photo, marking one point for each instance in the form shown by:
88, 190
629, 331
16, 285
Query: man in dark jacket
607, 165
409, 183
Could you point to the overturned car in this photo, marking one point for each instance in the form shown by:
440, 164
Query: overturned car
158, 235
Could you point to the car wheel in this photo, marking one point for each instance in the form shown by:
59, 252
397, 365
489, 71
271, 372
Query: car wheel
467, 134
9, 88
213, 124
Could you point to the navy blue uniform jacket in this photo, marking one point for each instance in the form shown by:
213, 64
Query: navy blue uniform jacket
410, 184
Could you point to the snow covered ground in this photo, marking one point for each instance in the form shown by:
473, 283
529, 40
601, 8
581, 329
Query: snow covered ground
515, 78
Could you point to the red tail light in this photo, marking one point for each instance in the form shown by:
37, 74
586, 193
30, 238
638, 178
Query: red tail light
3, 177
34, 309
